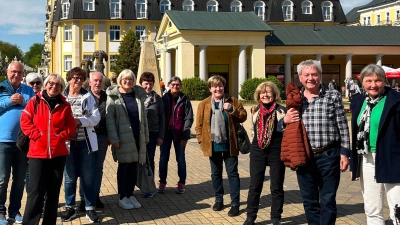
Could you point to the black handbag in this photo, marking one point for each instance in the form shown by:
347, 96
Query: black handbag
145, 178
23, 140
242, 138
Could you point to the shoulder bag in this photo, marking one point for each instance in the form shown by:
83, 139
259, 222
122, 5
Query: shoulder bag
145, 178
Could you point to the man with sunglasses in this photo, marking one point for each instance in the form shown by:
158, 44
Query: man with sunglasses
13, 98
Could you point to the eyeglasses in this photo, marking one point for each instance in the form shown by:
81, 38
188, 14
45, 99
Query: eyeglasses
267, 92
77, 78
127, 79
54, 84
177, 85
33, 83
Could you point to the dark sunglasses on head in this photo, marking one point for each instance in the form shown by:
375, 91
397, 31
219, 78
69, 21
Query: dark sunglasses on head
33, 83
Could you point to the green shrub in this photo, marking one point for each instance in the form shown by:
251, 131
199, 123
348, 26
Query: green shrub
249, 87
195, 88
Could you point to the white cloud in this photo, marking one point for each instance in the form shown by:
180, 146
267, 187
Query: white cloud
22, 16
348, 5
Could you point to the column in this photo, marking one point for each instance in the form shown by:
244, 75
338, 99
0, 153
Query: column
318, 57
242, 66
288, 72
176, 61
168, 69
202, 62
379, 59
76, 53
349, 65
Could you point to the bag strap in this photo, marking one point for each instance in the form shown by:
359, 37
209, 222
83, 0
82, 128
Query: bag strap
36, 104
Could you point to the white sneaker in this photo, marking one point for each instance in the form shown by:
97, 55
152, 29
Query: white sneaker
134, 202
125, 203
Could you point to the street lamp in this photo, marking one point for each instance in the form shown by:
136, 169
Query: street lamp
165, 38
3, 65
143, 38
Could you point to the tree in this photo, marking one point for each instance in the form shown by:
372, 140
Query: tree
33, 57
129, 53
11, 51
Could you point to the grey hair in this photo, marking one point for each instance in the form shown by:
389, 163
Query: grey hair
373, 69
55, 76
91, 74
32, 76
126, 73
175, 78
310, 63
12, 62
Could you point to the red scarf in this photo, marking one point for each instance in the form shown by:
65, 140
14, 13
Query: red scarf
265, 130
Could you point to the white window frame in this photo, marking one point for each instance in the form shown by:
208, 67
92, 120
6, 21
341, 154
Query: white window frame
65, 9
287, 10
115, 9
236, 6
139, 30
67, 62
387, 17
212, 6
188, 5
116, 29
165, 5
306, 7
68, 33
398, 15
88, 32
368, 21
89, 4
89, 58
113, 58
327, 12
141, 9
259, 9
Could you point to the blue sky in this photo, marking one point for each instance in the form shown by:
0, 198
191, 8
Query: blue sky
22, 22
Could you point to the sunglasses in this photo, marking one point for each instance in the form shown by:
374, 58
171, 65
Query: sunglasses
37, 83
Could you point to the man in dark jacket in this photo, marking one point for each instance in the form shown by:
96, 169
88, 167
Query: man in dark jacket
178, 120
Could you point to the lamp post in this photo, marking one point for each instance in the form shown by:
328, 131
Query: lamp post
143, 38
165, 38
3, 65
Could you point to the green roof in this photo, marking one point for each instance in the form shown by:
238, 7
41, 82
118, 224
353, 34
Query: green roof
218, 21
333, 35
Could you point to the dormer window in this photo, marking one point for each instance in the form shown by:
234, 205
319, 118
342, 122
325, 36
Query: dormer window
165, 5
327, 12
115, 9
141, 8
65, 9
88, 5
188, 5
306, 7
259, 9
212, 6
236, 6
287, 10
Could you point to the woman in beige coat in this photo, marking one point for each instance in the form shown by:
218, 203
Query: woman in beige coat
216, 133
128, 133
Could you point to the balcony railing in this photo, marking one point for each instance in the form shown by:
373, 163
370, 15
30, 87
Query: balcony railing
385, 23
366, 24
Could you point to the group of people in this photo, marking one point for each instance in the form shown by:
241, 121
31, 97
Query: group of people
70, 129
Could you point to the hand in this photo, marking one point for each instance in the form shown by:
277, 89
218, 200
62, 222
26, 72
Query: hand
292, 115
116, 145
106, 142
344, 163
17, 99
227, 106
159, 141
183, 143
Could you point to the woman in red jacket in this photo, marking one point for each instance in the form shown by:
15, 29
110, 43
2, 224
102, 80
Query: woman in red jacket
48, 128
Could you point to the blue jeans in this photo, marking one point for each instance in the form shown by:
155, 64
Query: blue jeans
11, 158
151, 148
231, 167
164, 158
318, 182
80, 164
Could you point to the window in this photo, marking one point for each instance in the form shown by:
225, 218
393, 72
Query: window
212, 6
287, 10
165, 5
88, 5
236, 6
306, 7
89, 58
368, 21
65, 9
387, 16
115, 9
378, 18
327, 11
259, 9
113, 58
188, 5
139, 31
67, 62
115, 33
141, 7
397, 14
88, 32
68, 33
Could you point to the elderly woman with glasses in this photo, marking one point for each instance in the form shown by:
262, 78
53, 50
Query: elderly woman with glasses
35, 81
375, 158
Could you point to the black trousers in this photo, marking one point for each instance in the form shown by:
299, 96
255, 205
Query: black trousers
259, 160
46, 176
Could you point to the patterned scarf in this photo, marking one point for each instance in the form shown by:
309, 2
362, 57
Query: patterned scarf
218, 130
362, 145
266, 128
150, 99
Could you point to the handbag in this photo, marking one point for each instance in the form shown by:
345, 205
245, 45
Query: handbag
23, 140
242, 138
145, 178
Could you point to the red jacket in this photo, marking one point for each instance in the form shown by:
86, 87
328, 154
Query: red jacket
48, 131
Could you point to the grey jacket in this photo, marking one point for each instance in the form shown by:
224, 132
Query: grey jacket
156, 117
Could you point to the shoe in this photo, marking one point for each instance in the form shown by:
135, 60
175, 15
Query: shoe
82, 206
92, 216
3, 220
180, 189
69, 214
249, 221
234, 211
99, 204
16, 219
148, 195
276, 221
218, 206
134, 202
161, 188
125, 203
